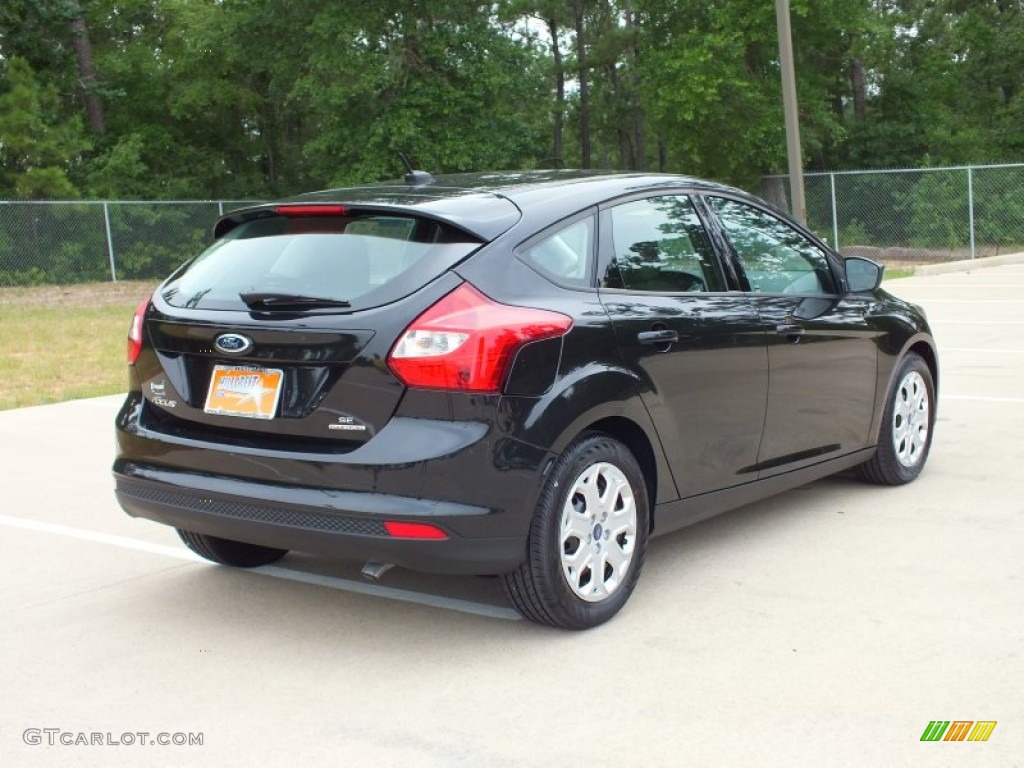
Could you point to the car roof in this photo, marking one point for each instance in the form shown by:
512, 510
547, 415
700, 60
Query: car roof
488, 204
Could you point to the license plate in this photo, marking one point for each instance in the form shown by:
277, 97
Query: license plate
246, 391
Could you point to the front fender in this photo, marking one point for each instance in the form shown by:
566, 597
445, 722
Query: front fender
889, 361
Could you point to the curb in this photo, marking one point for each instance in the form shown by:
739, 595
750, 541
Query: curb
969, 264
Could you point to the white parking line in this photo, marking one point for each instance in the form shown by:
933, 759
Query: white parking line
943, 350
95, 536
347, 585
974, 301
982, 399
953, 287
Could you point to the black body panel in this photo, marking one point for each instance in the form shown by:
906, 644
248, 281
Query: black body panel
823, 358
706, 391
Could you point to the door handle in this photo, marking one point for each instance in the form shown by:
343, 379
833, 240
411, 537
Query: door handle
664, 336
789, 329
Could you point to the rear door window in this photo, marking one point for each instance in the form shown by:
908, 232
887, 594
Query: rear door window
660, 246
363, 258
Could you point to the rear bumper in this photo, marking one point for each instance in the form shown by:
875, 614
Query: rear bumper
337, 524
460, 474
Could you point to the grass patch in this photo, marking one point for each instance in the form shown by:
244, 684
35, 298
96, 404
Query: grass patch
64, 342
895, 273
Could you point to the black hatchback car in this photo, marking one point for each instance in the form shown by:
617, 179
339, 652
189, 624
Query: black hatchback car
514, 374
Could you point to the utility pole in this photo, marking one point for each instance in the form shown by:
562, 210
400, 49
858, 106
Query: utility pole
797, 201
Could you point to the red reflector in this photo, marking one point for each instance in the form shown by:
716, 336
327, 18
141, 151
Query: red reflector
413, 530
311, 210
467, 341
135, 331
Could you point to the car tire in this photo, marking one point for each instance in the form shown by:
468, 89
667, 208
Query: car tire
593, 512
228, 552
908, 423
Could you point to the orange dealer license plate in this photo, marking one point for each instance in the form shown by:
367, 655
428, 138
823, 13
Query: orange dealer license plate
245, 391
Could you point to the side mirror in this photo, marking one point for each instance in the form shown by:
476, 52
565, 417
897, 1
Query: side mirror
863, 275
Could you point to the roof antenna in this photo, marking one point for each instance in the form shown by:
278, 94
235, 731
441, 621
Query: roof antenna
413, 177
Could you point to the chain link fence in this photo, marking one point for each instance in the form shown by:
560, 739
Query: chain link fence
896, 216
920, 216
78, 242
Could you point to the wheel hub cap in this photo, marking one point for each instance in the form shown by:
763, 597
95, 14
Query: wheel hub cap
910, 420
598, 532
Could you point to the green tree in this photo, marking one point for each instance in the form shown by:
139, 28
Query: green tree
439, 81
258, 98
36, 146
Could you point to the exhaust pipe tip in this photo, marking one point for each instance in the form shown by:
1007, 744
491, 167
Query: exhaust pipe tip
374, 571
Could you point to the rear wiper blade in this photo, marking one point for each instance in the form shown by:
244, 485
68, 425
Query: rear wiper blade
271, 300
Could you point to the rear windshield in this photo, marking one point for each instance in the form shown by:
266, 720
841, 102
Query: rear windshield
365, 259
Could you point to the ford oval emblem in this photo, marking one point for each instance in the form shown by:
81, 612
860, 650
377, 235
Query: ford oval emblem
233, 343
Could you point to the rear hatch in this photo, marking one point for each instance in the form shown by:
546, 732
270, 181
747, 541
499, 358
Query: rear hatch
277, 335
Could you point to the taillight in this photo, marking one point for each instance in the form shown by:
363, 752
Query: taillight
135, 332
467, 341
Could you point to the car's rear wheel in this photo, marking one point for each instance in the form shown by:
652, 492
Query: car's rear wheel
587, 540
907, 426
228, 552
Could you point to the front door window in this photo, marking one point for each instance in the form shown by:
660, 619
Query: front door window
775, 257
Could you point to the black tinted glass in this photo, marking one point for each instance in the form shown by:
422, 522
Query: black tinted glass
565, 255
661, 246
365, 260
775, 257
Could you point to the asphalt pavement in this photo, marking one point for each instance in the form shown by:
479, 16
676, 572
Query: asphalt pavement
825, 627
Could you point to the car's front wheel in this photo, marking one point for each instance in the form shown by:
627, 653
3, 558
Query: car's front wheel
587, 540
228, 552
907, 426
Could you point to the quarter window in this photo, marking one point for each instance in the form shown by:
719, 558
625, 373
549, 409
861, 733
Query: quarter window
775, 257
660, 245
565, 255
